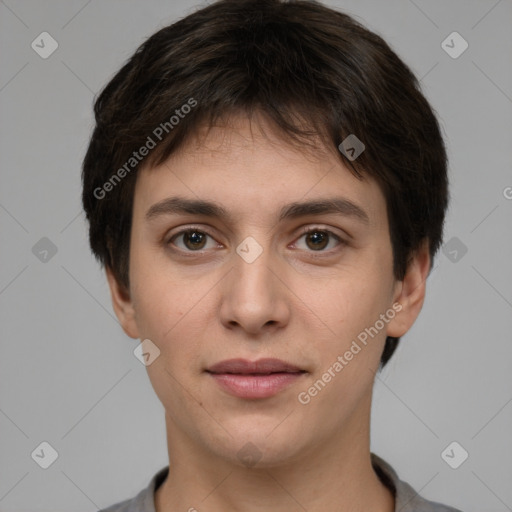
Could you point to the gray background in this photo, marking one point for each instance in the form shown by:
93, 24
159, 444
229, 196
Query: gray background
68, 375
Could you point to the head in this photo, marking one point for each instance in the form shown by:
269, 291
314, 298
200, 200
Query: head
244, 104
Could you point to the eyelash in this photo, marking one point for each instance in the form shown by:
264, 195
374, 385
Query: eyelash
305, 231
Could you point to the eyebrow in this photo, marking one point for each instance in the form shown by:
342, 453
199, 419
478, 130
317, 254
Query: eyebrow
331, 205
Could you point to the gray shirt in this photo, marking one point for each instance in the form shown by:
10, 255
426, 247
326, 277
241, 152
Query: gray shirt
406, 498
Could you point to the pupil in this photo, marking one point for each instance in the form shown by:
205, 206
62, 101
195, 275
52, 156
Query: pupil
317, 236
195, 237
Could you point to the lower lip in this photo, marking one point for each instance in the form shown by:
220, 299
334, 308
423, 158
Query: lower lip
255, 386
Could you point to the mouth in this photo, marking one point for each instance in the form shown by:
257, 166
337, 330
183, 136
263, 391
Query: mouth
259, 367
254, 379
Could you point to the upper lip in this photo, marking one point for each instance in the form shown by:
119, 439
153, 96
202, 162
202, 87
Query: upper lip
261, 366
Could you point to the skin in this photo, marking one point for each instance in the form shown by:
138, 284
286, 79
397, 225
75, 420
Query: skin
289, 303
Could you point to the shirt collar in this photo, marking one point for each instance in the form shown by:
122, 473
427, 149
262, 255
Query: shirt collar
406, 498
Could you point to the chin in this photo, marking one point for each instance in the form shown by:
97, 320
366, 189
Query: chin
262, 448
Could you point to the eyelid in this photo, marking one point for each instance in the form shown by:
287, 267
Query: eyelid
316, 227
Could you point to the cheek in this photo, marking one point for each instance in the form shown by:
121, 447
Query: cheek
171, 319
170, 311
165, 315
160, 298
350, 307
349, 354
348, 303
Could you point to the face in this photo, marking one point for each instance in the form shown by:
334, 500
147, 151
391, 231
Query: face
312, 289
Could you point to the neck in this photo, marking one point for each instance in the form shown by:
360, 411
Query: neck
336, 475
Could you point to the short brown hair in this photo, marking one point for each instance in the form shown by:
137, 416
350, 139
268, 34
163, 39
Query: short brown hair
311, 71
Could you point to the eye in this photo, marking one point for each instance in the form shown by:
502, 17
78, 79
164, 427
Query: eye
318, 239
194, 240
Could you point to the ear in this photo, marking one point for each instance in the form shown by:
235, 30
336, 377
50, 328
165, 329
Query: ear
123, 306
410, 292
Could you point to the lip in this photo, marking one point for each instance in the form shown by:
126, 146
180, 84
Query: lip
243, 366
254, 379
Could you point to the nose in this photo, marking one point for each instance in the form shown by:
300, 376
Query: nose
255, 296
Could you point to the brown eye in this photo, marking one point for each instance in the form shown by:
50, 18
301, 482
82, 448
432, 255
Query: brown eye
192, 239
318, 239
196, 239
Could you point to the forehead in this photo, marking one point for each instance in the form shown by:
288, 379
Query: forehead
250, 169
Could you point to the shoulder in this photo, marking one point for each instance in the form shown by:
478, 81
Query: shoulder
123, 506
411, 501
145, 500
137, 504
406, 498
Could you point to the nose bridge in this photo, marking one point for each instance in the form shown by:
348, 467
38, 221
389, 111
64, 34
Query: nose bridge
253, 263
254, 296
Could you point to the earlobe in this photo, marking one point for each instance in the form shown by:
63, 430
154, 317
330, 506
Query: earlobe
123, 305
410, 292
